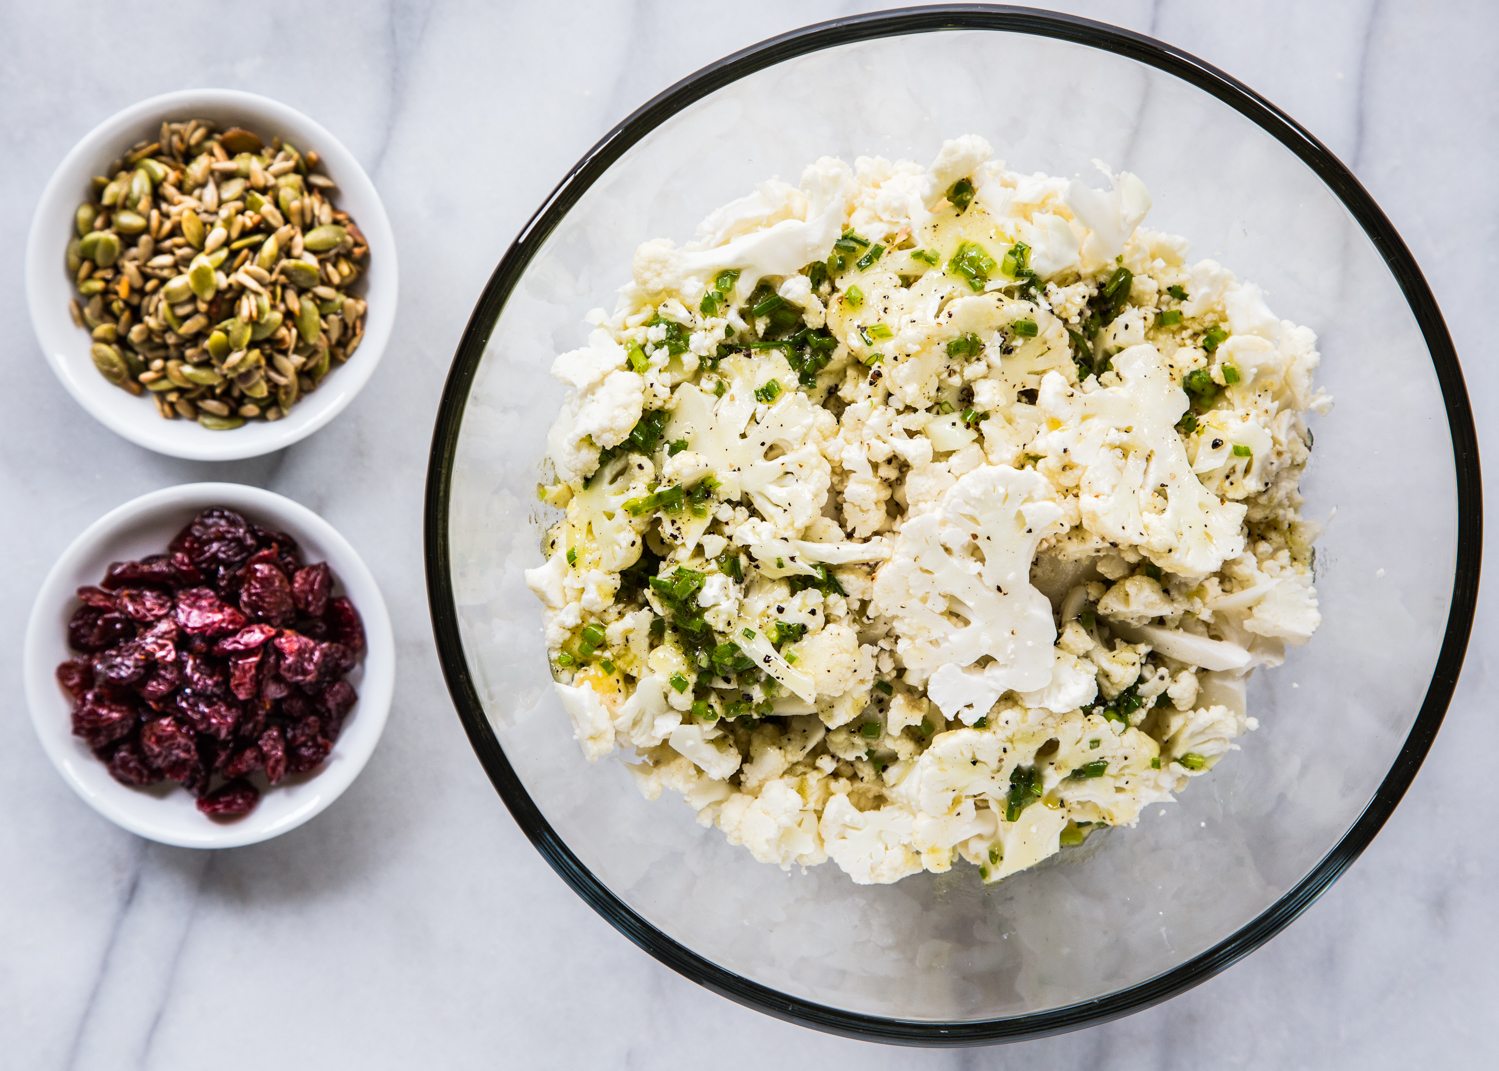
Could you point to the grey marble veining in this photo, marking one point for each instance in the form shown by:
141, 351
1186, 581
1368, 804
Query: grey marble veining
412, 924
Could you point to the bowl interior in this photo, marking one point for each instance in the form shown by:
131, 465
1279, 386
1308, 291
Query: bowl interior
1134, 903
49, 286
166, 812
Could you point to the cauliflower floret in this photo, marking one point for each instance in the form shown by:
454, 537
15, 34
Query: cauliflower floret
592, 727
958, 590
872, 847
776, 826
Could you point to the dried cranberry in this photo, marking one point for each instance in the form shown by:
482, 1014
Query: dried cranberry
76, 675
208, 714
233, 799
334, 705
265, 594
201, 612
243, 762
201, 674
314, 628
91, 629
244, 675
144, 604
252, 721
122, 664
163, 681
273, 749
98, 598
306, 746
288, 554
337, 660
301, 660
169, 747
129, 767
216, 537
345, 625
311, 588
197, 780
160, 641
156, 569
246, 639
100, 720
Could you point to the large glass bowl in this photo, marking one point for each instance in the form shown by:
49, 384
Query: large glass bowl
1137, 914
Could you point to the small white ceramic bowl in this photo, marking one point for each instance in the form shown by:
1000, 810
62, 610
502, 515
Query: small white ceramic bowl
166, 812
67, 346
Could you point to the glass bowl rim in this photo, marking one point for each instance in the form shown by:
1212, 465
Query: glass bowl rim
894, 23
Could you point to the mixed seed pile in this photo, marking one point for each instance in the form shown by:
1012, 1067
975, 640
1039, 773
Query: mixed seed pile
214, 272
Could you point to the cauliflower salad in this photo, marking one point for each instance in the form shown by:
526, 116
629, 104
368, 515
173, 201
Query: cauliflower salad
923, 513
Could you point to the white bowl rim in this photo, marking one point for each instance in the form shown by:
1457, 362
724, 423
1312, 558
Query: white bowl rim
137, 811
66, 346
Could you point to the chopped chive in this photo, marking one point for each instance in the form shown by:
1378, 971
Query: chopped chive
884, 688
1025, 328
994, 854
564, 659
945, 407
926, 256
870, 730
720, 390
1213, 339
1152, 570
607, 666
1086, 617
973, 264
678, 682
1096, 768
593, 634
701, 709
850, 242
748, 633
879, 332
982, 723
1155, 763
1025, 789
926, 727
1169, 318
675, 447
972, 417
1193, 761
780, 563
1187, 425
961, 195
1177, 291
1093, 744
724, 281
769, 392
853, 297
769, 305
1230, 374
875, 253
572, 555
1240, 450
968, 345
638, 360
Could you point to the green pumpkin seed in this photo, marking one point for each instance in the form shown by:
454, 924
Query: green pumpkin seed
107, 250
248, 242
128, 222
154, 169
286, 394
300, 274
192, 229
265, 260
115, 191
88, 243
133, 362
238, 332
75, 256
266, 327
106, 333
109, 363
217, 257
220, 423
254, 202
177, 290
84, 218
322, 239
308, 324
174, 373
173, 321
333, 306
200, 277
233, 189
201, 374
140, 190
193, 325
253, 383
161, 386
218, 345
319, 367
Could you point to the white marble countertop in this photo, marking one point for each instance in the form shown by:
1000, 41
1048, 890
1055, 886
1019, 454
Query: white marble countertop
412, 925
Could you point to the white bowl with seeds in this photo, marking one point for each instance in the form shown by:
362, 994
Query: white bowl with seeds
317, 340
